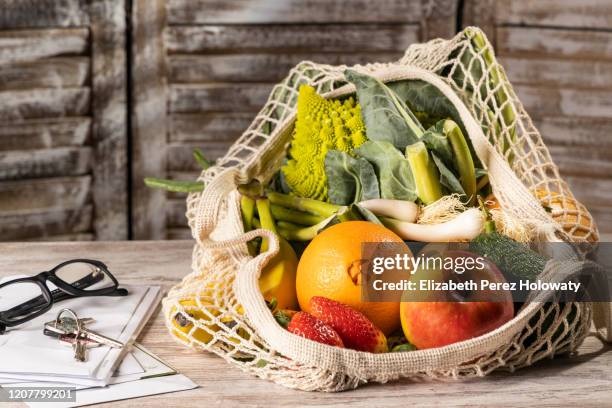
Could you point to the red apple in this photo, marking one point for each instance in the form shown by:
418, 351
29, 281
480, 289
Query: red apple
433, 318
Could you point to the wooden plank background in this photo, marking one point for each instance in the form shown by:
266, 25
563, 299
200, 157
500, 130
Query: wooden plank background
201, 69
558, 54
63, 134
218, 61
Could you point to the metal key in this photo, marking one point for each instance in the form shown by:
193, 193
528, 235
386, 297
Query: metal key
80, 348
74, 326
100, 338
55, 329
69, 340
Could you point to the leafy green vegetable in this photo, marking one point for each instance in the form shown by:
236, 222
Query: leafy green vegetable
464, 165
403, 347
352, 212
386, 117
427, 177
421, 96
349, 179
272, 304
307, 233
282, 318
349, 213
392, 168
366, 214
482, 186
281, 213
200, 159
181, 186
431, 104
398, 342
435, 139
426, 119
307, 205
480, 172
178, 186
452, 157
447, 178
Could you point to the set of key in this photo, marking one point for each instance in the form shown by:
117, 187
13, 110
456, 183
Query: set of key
72, 331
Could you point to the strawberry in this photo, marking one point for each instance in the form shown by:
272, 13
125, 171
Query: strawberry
306, 325
355, 329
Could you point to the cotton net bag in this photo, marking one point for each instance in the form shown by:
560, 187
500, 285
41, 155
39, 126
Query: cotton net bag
223, 311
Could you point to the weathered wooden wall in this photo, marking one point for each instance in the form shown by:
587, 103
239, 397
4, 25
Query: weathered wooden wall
558, 54
203, 68
63, 155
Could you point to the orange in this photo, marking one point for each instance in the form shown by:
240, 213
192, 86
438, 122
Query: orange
491, 202
331, 267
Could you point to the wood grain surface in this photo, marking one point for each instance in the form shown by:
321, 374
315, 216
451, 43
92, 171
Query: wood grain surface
45, 133
149, 118
43, 13
246, 67
60, 72
293, 11
29, 45
584, 380
63, 119
185, 39
559, 13
555, 42
61, 161
203, 68
212, 127
109, 119
54, 192
16, 105
45, 223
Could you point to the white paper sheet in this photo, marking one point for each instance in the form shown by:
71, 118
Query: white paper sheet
152, 377
29, 355
130, 367
133, 389
138, 364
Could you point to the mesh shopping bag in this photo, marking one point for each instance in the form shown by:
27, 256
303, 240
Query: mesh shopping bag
220, 302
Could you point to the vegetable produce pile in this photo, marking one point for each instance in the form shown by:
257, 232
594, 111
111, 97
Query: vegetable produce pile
390, 163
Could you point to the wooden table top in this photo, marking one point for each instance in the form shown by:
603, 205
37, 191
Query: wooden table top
582, 380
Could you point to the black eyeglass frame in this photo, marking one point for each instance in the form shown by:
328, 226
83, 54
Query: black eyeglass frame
64, 291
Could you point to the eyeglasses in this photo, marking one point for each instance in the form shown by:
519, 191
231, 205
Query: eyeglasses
24, 299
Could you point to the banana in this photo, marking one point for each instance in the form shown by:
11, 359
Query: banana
277, 280
182, 321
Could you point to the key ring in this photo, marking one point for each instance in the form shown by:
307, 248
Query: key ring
74, 315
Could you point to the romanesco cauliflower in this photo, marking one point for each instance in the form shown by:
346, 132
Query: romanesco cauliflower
320, 125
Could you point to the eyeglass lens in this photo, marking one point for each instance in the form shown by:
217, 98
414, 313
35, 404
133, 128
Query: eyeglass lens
16, 296
84, 276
